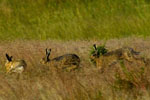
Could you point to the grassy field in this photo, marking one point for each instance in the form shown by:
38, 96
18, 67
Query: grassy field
73, 19
40, 82
27, 27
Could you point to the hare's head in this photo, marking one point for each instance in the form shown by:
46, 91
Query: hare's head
8, 61
46, 58
98, 51
94, 54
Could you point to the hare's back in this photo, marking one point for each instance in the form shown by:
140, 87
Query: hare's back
19, 63
67, 57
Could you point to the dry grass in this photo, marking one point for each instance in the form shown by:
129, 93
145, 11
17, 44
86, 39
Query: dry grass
44, 83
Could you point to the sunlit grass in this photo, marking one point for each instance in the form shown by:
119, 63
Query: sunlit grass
73, 20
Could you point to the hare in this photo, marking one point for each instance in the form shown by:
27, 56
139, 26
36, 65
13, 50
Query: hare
14, 66
67, 61
112, 57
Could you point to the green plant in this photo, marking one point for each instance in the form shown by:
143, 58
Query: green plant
96, 52
100, 50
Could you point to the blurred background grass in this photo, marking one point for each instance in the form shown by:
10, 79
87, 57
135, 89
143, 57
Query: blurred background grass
73, 19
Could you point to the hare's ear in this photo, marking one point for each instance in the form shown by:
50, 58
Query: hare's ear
48, 51
137, 53
11, 57
8, 58
94, 45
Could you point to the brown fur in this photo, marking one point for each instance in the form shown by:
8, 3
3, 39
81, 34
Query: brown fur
113, 56
68, 61
15, 66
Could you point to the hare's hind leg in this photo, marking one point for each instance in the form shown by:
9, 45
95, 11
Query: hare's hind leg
71, 68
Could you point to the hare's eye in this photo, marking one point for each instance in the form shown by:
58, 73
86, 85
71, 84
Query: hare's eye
95, 54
